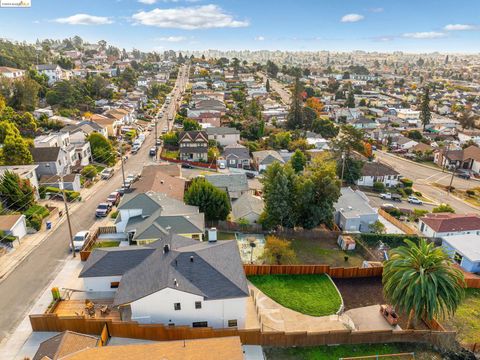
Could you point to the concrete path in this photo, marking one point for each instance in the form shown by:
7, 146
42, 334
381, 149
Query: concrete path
369, 318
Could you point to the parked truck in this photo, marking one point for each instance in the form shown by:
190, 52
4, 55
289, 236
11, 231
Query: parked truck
390, 196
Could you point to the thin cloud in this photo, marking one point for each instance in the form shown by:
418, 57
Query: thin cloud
376, 10
425, 35
350, 18
188, 18
460, 27
259, 38
148, 2
84, 19
172, 38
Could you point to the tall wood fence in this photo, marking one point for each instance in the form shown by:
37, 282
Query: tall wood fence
402, 226
160, 332
334, 272
88, 246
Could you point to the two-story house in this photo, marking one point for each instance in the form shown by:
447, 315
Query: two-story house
236, 156
223, 135
53, 71
193, 146
51, 161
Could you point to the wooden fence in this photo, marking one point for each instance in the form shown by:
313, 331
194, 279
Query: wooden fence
104, 336
88, 246
350, 272
160, 332
402, 226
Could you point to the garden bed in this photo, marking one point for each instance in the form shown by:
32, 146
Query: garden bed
313, 295
105, 244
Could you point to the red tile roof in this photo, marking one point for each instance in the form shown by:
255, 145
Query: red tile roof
446, 222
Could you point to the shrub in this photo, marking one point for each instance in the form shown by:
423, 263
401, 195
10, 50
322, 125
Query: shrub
72, 195
35, 222
406, 182
114, 214
39, 210
392, 240
378, 186
442, 208
470, 192
89, 172
418, 193
408, 191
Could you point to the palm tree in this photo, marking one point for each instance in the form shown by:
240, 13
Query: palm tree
421, 280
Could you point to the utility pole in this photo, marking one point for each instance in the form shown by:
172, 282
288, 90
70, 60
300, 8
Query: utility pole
120, 150
444, 157
68, 215
343, 166
451, 179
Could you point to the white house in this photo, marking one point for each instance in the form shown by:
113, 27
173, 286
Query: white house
443, 225
373, 172
175, 280
464, 250
53, 72
405, 143
14, 225
353, 212
223, 135
11, 73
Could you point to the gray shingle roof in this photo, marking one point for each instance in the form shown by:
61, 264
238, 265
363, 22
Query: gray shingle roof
231, 182
237, 151
215, 273
377, 169
246, 204
266, 157
221, 131
45, 154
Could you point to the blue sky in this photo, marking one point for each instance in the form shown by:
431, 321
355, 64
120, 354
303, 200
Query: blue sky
336, 25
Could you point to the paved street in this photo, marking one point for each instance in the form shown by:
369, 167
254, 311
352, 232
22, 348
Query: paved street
423, 178
279, 88
20, 289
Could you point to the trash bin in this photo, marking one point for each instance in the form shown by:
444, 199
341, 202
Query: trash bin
49, 225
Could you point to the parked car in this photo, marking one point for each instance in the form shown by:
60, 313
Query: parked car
79, 240
390, 196
132, 178
135, 149
158, 142
414, 200
106, 173
187, 166
250, 175
114, 198
103, 209
463, 174
153, 151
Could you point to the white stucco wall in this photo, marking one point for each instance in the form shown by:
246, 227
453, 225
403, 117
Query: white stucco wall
159, 308
124, 216
101, 283
20, 228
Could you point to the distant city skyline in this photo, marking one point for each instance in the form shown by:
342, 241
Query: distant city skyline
300, 25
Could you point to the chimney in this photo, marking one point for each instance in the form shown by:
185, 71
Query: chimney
166, 248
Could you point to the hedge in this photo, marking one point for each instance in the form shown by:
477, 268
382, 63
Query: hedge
407, 182
70, 195
392, 240
39, 210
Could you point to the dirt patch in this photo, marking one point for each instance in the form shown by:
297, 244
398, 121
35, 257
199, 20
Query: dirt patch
360, 292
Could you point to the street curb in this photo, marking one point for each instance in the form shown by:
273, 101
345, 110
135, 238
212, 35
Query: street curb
420, 164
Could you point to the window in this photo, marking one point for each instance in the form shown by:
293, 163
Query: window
198, 304
200, 324
114, 284
177, 306
232, 323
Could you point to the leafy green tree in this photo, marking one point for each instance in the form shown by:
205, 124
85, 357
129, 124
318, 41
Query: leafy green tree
25, 123
267, 85
190, 125
352, 170
298, 160
7, 128
279, 196
421, 281
350, 103
272, 69
316, 192
378, 228
295, 116
15, 151
350, 139
25, 94
443, 208
17, 194
415, 135
102, 149
128, 78
213, 202
89, 172
170, 138
325, 127
425, 114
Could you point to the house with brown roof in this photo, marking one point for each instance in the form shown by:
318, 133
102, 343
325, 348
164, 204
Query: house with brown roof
373, 172
465, 159
111, 124
11, 73
64, 344
14, 225
193, 146
442, 225
163, 178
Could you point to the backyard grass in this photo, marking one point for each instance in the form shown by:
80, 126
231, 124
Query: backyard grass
422, 352
313, 295
467, 318
105, 244
222, 235
311, 251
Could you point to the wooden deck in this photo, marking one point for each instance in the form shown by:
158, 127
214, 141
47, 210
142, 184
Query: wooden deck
77, 307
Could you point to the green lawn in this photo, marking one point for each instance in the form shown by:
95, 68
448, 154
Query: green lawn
105, 244
422, 352
314, 295
467, 318
311, 251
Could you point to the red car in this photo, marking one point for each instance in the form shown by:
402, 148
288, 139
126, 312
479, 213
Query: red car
114, 198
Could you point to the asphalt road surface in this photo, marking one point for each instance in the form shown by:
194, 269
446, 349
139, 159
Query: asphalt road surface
285, 95
21, 288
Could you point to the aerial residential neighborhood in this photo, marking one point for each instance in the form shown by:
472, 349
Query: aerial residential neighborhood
263, 181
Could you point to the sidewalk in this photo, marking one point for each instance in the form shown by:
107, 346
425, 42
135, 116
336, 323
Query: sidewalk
11, 260
12, 346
